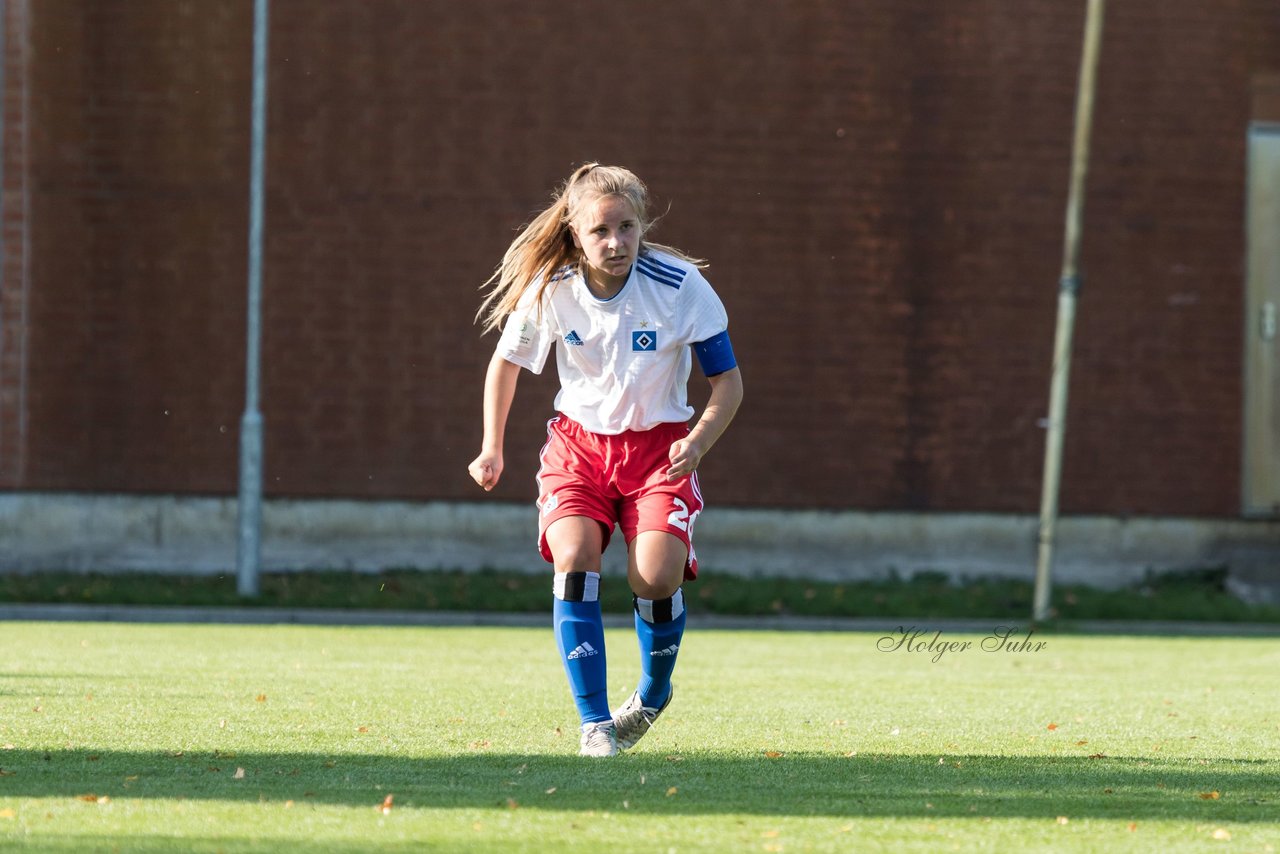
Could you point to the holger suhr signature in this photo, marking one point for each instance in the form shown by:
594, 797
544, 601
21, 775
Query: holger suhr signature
1003, 639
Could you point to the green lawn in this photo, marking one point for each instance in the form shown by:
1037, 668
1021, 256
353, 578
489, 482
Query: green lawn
222, 738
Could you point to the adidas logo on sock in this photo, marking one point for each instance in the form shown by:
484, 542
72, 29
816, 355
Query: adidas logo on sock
671, 650
583, 650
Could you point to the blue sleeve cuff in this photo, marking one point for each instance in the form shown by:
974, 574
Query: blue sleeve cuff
715, 355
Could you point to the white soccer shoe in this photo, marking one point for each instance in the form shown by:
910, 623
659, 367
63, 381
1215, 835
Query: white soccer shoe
632, 720
599, 739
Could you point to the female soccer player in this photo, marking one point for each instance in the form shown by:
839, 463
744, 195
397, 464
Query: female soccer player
624, 315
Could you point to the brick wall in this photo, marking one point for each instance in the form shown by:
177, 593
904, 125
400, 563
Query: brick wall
880, 188
13, 254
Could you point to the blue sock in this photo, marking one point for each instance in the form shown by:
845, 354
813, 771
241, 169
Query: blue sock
580, 635
659, 626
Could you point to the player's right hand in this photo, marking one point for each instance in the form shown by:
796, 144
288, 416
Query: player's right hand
486, 469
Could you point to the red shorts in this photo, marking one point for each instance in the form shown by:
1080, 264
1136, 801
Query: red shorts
616, 480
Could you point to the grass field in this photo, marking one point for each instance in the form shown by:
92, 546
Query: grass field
220, 738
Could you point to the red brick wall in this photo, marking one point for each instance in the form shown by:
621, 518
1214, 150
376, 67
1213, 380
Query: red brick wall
880, 188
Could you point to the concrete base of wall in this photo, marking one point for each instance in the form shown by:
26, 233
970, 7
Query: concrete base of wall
111, 533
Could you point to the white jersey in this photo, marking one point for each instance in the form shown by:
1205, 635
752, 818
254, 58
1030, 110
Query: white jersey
623, 362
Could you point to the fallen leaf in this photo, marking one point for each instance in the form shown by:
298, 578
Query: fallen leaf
1062, 819
1051, 727
94, 758
1082, 743
772, 754
90, 798
672, 791
770, 834
104, 799
1210, 796
239, 775
513, 804
288, 805
1098, 756
4, 773
675, 758
362, 729
551, 791
131, 778
1223, 834
386, 805
559, 732
8, 814
261, 698
1133, 825
480, 745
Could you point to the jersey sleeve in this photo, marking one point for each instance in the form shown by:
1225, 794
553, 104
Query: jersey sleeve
703, 314
527, 336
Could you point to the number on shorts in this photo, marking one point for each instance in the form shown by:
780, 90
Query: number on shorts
679, 518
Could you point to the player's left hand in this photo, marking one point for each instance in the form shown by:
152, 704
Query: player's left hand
685, 455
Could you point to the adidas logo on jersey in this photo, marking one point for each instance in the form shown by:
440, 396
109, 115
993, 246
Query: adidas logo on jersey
573, 338
671, 650
583, 650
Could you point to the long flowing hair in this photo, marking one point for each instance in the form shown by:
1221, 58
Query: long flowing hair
546, 244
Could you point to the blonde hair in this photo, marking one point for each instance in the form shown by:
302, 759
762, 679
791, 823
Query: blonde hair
546, 244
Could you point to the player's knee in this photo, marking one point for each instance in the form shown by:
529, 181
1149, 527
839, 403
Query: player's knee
663, 586
575, 557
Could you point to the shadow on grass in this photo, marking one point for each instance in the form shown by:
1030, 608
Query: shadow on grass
876, 785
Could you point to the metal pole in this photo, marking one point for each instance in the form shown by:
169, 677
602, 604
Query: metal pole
249, 546
1068, 289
